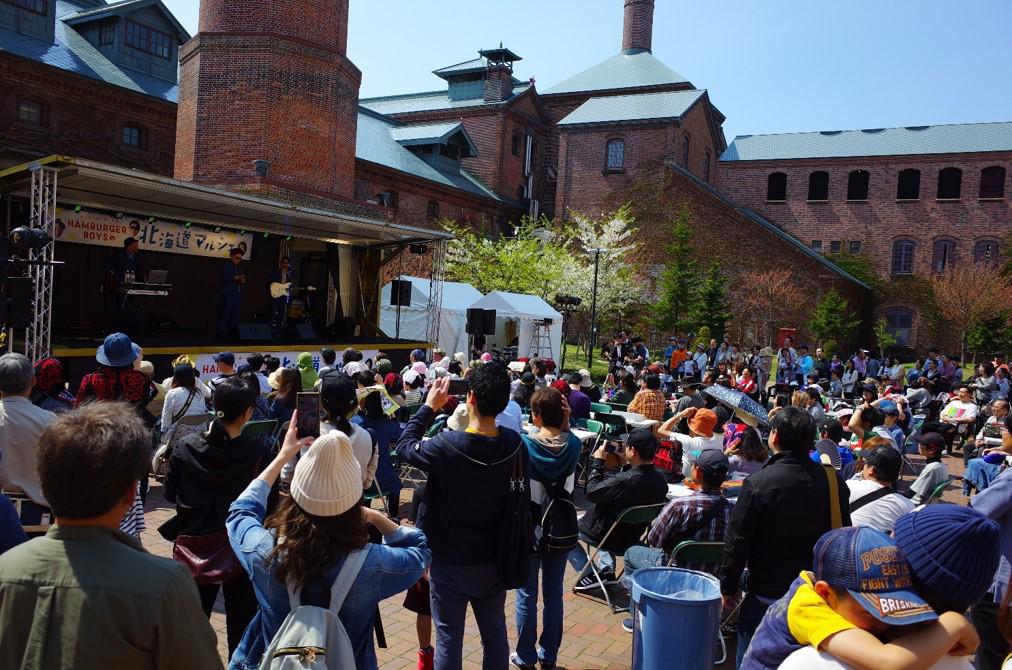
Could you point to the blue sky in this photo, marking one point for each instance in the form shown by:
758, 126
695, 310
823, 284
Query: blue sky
770, 65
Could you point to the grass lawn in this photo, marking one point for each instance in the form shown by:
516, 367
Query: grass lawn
576, 359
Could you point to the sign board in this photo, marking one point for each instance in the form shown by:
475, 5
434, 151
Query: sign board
88, 227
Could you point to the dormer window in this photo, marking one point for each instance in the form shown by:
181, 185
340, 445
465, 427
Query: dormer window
133, 136
451, 151
148, 40
32, 112
107, 33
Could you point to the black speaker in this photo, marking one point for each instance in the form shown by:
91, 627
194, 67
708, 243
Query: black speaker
475, 321
250, 332
400, 293
19, 307
306, 331
488, 321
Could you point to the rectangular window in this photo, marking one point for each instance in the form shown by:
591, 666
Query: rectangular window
835, 246
855, 246
361, 189
817, 246
107, 33
36, 6
30, 111
133, 136
149, 40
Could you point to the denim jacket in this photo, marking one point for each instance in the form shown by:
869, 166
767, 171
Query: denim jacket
389, 568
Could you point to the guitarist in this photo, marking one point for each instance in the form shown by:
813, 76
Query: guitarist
232, 281
279, 306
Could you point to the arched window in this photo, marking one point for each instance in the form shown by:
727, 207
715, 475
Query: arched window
899, 324
776, 187
616, 154
432, 210
908, 186
943, 255
857, 185
992, 182
986, 252
950, 183
818, 186
706, 166
685, 150
903, 257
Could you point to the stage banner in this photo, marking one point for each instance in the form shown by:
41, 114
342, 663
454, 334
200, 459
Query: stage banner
208, 369
87, 227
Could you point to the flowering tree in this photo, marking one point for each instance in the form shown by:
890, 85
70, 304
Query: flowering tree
763, 298
969, 294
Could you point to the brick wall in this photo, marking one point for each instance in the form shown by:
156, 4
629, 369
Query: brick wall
637, 32
269, 81
83, 118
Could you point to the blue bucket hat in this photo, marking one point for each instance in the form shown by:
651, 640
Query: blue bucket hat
870, 566
117, 351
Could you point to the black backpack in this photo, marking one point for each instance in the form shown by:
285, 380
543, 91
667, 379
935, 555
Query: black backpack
516, 531
557, 530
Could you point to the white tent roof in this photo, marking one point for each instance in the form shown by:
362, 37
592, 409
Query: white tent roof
516, 304
457, 297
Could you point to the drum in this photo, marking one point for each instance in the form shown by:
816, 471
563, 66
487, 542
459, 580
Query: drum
296, 309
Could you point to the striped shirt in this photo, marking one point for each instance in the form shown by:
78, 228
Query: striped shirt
133, 520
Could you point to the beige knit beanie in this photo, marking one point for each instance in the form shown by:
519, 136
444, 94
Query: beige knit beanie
328, 478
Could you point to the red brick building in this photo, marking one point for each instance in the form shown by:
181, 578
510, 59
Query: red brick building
912, 201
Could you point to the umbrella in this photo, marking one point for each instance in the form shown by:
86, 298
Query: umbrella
738, 401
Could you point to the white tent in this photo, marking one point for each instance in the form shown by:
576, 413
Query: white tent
527, 310
414, 317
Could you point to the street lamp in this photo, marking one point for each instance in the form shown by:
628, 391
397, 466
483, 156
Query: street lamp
593, 313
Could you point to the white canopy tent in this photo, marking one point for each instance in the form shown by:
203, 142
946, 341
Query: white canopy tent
527, 311
457, 298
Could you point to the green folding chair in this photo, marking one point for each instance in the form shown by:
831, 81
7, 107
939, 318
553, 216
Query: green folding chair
939, 491
588, 447
413, 409
435, 428
600, 407
257, 429
631, 516
617, 407
702, 553
374, 492
614, 426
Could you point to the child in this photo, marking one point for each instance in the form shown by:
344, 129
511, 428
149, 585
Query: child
861, 587
835, 383
929, 445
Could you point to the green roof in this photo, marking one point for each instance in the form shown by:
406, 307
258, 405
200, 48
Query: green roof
430, 101
642, 107
909, 141
624, 70
432, 133
467, 67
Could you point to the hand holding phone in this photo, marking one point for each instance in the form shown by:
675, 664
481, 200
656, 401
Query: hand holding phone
459, 387
308, 414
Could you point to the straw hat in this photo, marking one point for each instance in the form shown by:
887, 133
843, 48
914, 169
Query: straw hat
328, 477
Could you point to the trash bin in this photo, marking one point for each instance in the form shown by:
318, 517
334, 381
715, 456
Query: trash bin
676, 617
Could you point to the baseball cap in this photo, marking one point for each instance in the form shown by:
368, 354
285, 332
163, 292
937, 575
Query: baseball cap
226, 357
644, 442
713, 462
585, 381
886, 460
932, 439
888, 407
872, 569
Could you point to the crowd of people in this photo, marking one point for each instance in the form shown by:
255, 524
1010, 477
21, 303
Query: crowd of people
829, 556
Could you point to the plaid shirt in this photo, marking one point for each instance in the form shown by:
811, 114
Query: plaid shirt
649, 403
683, 513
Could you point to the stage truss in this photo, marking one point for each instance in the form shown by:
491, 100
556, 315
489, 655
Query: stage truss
38, 335
436, 291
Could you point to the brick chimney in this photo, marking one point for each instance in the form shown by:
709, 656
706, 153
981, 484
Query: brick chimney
498, 83
269, 82
637, 34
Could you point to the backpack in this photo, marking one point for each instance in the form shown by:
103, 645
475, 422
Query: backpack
312, 637
516, 531
557, 529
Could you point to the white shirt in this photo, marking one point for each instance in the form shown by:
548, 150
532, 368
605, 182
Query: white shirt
201, 386
512, 417
880, 514
810, 658
21, 424
175, 400
361, 445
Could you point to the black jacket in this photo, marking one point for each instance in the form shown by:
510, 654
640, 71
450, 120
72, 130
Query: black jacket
466, 494
641, 485
781, 511
203, 480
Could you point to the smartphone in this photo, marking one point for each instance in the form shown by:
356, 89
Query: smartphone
308, 405
459, 386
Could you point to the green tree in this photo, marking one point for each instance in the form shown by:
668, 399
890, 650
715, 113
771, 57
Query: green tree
831, 318
858, 266
991, 336
883, 338
676, 286
712, 308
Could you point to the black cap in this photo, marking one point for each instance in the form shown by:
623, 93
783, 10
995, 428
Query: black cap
713, 463
644, 442
886, 460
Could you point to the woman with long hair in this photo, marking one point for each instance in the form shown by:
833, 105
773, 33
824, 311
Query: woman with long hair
385, 431
749, 452
182, 399
283, 400
261, 409
525, 391
626, 391
324, 529
849, 379
206, 472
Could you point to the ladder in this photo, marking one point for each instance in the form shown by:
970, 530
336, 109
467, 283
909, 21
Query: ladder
541, 339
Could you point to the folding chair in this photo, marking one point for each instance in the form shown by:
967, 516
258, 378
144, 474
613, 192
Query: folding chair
638, 515
258, 429
374, 492
600, 407
909, 446
939, 491
704, 553
617, 407
435, 428
615, 426
413, 409
587, 448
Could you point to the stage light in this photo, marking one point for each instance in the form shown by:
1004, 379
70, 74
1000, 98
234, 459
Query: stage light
266, 235
188, 224
217, 229
242, 232
119, 215
151, 219
78, 208
24, 240
288, 239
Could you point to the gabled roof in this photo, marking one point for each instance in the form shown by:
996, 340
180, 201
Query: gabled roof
122, 7
432, 133
467, 67
430, 101
624, 70
69, 51
375, 143
909, 141
642, 107
768, 225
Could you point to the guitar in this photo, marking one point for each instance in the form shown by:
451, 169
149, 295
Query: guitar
280, 290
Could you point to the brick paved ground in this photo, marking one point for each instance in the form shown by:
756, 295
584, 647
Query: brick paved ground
593, 637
